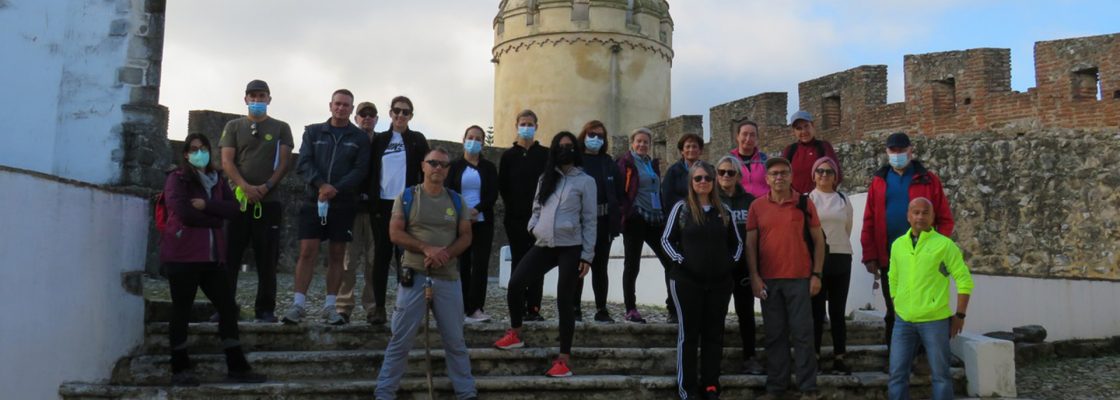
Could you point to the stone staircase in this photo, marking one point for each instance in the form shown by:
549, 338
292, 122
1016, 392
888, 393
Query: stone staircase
611, 361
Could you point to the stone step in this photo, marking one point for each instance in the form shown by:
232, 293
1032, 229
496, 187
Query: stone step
365, 364
317, 336
863, 385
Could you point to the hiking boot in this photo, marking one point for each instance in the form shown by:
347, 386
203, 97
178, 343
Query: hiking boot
752, 367
634, 316
266, 317
509, 341
559, 369
477, 317
294, 315
334, 318
603, 316
711, 393
184, 378
376, 316
245, 377
840, 368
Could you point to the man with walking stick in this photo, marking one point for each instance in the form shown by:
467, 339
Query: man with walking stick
428, 223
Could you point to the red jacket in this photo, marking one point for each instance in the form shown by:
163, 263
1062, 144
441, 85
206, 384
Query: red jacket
629, 172
186, 238
802, 158
924, 184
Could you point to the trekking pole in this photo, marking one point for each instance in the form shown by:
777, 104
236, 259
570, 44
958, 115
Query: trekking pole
427, 337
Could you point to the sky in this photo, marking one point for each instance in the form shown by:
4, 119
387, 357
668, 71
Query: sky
437, 52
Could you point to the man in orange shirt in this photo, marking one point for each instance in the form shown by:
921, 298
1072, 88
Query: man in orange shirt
785, 275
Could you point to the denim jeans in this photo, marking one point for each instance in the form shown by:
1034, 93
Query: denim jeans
905, 338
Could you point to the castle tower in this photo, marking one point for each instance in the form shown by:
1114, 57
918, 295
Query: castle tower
572, 61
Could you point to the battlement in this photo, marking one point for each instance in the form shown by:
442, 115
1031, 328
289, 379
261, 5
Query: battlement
1078, 86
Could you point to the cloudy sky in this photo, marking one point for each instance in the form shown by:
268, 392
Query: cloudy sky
438, 51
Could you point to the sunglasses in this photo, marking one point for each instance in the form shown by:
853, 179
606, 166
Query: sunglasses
438, 163
401, 111
701, 178
367, 114
727, 172
595, 134
253, 128
825, 172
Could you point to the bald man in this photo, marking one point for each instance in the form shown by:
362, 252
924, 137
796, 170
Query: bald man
922, 261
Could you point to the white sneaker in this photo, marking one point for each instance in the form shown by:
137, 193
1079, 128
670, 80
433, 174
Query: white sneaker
477, 317
294, 315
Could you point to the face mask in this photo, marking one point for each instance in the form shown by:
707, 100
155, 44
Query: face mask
526, 132
257, 109
472, 146
898, 160
323, 206
565, 156
199, 159
594, 143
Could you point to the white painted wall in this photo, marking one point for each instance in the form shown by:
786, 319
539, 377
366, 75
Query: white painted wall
61, 103
1067, 308
62, 251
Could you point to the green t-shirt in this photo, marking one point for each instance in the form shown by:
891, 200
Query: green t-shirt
433, 221
257, 155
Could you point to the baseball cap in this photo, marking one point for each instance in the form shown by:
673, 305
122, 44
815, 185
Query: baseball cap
257, 85
898, 139
364, 105
800, 114
776, 160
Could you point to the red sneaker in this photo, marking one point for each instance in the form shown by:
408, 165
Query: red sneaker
559, 369
509, 341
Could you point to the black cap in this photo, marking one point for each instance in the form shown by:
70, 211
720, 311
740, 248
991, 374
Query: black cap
257, 85
898, 139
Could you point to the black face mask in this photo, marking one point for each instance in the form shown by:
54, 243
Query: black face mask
566, 155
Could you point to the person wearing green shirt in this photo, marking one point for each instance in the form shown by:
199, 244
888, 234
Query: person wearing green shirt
922, 261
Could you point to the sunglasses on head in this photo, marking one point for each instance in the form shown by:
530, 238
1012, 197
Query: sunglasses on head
401, 111
825, 171
727, 172
701, 178
438, 163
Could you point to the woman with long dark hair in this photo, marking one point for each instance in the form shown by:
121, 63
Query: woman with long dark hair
599, 165
476, 179
192, 253
704, 244
564, 223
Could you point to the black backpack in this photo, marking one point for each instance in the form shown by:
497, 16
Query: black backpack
803, 205
792, 149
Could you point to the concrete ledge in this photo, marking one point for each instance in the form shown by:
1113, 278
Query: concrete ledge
989, 364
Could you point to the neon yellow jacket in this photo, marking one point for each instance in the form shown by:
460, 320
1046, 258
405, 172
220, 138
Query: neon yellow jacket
919, 276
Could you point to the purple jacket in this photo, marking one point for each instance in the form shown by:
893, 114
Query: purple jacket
629, 173
186, 238
754, 179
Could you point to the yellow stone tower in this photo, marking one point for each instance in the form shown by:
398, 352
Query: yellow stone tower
572, 61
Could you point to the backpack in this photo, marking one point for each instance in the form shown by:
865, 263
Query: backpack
161, 212
803, 205
792, 149
409, 197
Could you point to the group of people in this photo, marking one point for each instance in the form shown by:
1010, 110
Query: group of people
749, 226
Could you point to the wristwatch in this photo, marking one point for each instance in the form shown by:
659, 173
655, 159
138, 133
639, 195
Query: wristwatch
959, 315
818, 275
268, 185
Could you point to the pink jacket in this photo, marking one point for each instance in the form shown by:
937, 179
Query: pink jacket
754, 178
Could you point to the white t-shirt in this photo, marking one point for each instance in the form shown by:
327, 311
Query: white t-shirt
836, 219
394, 165
471, 183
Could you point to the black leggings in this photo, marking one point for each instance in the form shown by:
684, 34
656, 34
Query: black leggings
702, 312
474, 266
600, 282
520, 241
637, 232
184, 280
537, 262
837, 275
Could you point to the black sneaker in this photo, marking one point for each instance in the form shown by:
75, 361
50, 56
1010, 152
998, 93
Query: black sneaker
840, 368
184, 378
673, 318
245, 377
603, 316
267, 316
215, 317
533, 316
579, 316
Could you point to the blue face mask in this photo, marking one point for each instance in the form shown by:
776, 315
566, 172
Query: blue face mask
594, 143
199, 159
472, 146
323, 207
526, 132
258, 109
898, 160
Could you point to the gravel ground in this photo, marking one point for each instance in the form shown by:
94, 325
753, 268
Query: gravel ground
155, 287
1071, 378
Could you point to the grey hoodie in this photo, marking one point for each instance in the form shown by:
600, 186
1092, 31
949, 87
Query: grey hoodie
568, 217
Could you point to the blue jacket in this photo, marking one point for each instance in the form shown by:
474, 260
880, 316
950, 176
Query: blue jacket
342, 161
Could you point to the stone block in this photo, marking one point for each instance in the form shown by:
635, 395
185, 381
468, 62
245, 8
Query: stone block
118, 28
1002, 335
989, 364
1029, 334
130, 75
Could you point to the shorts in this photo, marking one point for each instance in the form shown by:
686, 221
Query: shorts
340, 222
